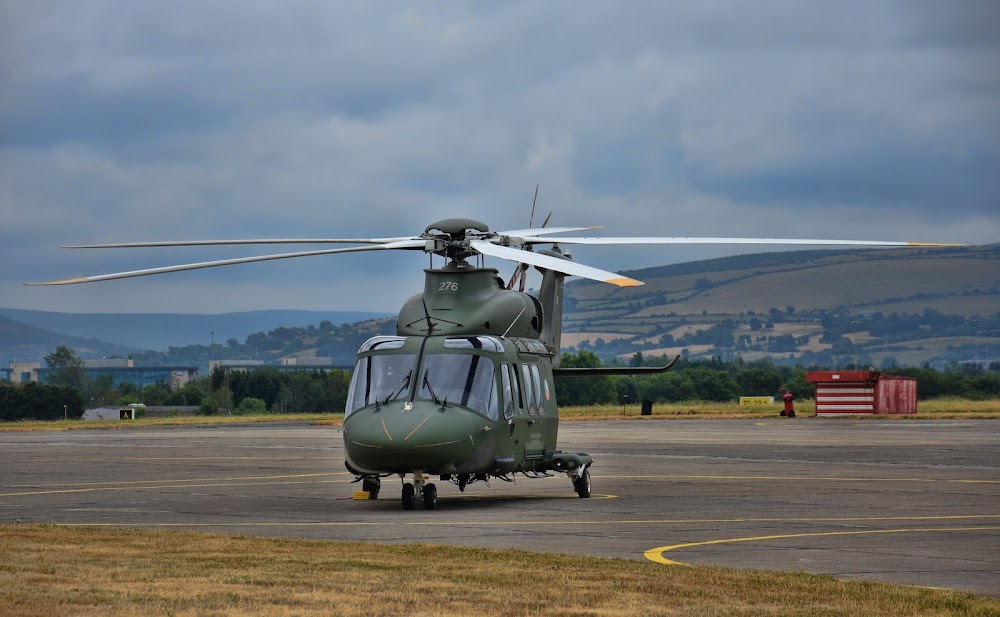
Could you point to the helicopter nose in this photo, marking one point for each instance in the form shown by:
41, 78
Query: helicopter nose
413, 436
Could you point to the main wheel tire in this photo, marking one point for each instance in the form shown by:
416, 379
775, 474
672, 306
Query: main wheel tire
430, 497
372, 485
582, 484
408, 496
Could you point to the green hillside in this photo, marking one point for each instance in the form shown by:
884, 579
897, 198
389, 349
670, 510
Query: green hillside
872, 306
22, 342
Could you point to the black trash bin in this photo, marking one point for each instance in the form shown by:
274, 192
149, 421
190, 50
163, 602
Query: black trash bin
647, 407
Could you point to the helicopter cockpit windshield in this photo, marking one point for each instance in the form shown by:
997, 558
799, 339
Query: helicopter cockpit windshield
460, 379
386, 372
380, 379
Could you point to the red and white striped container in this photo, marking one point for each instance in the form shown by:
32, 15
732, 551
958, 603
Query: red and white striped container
863, 393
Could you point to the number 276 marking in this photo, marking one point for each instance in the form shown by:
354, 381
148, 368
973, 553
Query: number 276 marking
448, 286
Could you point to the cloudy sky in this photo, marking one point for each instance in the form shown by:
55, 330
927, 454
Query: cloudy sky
142, 120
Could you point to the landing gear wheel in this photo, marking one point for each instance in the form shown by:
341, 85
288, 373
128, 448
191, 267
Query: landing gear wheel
582, 484
791, 413
408, 496
372, 486
430, 497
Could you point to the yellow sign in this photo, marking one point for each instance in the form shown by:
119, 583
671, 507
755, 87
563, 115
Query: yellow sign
756, 401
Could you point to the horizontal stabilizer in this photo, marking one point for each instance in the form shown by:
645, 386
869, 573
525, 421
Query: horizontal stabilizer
614, 370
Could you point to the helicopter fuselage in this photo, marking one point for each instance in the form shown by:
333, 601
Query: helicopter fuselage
480, 405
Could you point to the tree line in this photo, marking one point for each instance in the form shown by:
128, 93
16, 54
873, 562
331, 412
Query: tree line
720, 381
70, 391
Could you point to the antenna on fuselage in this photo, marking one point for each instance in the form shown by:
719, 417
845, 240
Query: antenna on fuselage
504, 335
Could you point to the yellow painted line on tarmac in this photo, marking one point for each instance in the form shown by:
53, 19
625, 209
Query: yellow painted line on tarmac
235, 524
794, 478
205, 458
165, 484
111, 485
120, 482
656, 554
510, 497
574, 522
713, 521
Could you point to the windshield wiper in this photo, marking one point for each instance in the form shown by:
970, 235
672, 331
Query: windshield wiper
406, 382
427, 384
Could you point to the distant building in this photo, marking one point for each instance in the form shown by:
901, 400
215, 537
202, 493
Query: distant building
148, 411
109, 363
235, 365
316, 361
22, 372
289, 363
121, 370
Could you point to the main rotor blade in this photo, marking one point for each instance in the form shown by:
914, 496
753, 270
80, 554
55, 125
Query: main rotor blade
121, 245
653, 240
538, 231
401, 245
553, 263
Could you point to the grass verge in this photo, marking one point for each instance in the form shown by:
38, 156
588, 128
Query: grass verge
66, 425
53, 570
943, 408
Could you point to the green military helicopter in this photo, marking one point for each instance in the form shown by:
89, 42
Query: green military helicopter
464, 391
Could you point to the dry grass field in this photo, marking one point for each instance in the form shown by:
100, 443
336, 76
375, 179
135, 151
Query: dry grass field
50, 570
56, 425
938, 408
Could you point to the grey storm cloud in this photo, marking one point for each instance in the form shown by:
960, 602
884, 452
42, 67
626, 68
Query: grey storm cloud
167, 120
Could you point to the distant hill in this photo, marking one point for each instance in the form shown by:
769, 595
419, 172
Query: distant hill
21, 342
158, 331
802, 305
880, 307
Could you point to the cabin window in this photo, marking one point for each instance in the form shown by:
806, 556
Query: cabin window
530, 400
379, 377
516, 384
536, 383
460, 379
508, 391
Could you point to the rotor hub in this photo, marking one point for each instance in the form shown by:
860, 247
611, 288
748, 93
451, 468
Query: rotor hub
452, 236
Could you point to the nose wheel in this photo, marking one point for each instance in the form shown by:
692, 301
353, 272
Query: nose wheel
581, 483
372, 485
419, 490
